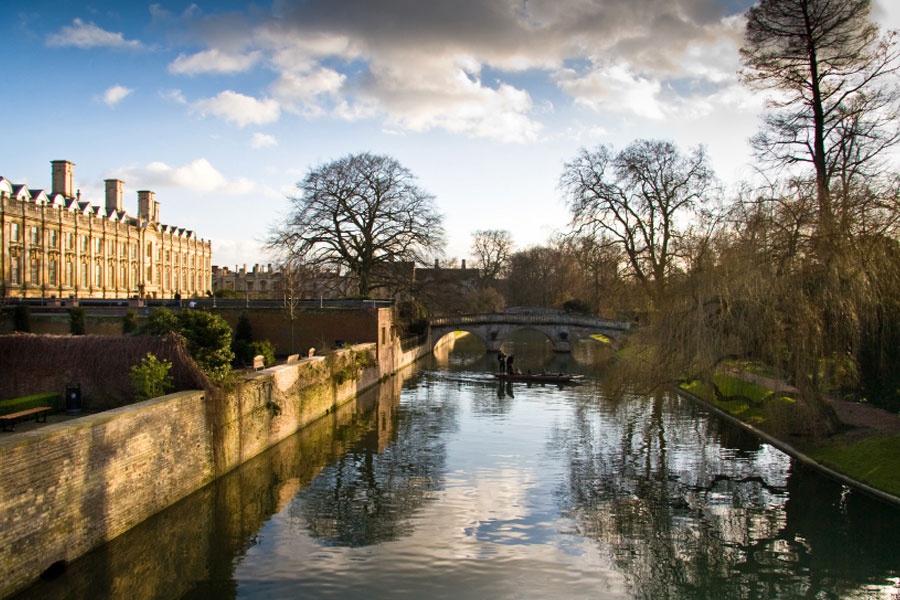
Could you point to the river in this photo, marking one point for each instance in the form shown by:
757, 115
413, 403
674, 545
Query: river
443, 483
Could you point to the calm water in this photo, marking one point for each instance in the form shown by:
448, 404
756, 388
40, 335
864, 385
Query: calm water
456, 486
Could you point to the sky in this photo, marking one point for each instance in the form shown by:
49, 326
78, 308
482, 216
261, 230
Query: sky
222, 107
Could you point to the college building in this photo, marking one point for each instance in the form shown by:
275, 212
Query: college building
55, 245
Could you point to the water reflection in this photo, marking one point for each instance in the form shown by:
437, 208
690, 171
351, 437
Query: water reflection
684, 514
463, 486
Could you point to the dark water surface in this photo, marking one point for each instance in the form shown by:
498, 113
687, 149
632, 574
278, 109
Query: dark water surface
458, 487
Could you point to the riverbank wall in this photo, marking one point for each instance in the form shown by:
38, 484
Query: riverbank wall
792, 451
72, 486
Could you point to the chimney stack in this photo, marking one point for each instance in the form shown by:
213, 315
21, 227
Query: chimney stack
114, 191
62, 174
147, 209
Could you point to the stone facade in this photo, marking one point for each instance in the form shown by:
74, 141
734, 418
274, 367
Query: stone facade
57, 246
256, 283
268, 282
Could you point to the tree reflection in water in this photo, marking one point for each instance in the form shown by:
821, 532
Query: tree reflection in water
693, 508
369, 493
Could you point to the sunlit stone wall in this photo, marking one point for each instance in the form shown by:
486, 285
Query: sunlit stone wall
72, 486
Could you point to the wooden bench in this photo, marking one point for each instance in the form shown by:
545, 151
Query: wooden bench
40, 416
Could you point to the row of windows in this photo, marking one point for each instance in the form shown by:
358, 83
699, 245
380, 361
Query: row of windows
34, 232
189, 281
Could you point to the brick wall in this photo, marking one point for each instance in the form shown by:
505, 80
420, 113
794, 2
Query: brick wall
73, 486
315, 328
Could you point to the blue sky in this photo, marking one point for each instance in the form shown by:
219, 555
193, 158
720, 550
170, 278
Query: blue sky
221, 107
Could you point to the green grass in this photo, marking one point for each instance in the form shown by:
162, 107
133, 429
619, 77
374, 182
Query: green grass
737, 393
25, 402
873, 461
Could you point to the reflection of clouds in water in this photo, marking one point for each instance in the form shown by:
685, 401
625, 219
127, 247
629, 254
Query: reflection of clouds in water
480, 537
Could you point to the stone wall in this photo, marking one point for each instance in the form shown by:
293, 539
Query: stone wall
73, 486
179, 552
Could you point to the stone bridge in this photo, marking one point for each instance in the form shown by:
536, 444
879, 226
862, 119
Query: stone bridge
562, 330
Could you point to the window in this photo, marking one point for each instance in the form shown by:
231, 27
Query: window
14, 233
123, 250
35, 271
85, 275
134, 276
123, 276
15, 270
111, 248
149, 249
149, 277
70, 241
35, 235
70, 273
134, 251
111, 280
53, 236
84, 243
53, 270
98, 273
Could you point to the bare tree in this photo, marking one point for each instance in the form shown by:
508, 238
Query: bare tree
636, 199
364, 214
835, 105
492, 248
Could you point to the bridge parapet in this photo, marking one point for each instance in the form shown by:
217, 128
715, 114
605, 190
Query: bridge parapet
529, 319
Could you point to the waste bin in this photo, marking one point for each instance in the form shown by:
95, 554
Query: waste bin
73, 399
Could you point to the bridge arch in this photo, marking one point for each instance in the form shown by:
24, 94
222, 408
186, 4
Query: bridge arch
493, 328
514, 329
444, 338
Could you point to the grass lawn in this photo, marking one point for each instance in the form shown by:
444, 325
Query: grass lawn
748, 400
875, 460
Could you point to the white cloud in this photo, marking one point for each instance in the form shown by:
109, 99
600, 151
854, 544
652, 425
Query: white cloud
423, 68
262, 140
425, 92
615, 88
239, 109
213, 61
173, 95
198, 176
301, 91
88, 35
112, 96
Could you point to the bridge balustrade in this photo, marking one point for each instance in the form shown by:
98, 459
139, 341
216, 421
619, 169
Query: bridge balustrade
520, 319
